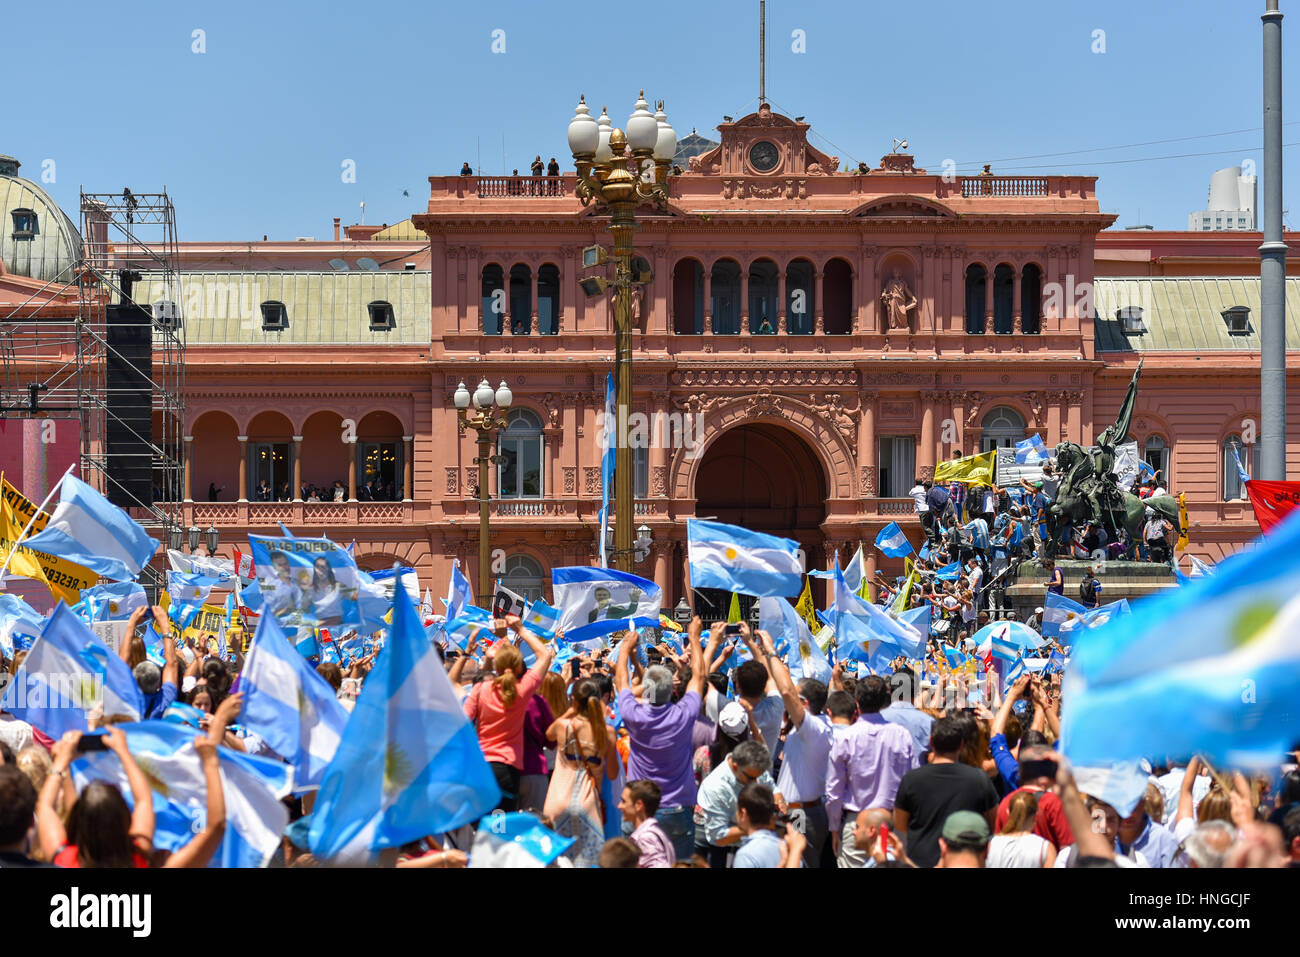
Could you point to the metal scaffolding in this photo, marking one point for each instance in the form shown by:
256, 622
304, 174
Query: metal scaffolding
55, 348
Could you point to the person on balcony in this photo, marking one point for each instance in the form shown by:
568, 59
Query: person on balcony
214, 491
465, 169
340, 492
553, 174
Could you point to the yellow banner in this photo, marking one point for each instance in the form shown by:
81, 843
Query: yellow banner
971, 469
806, 609
65, 579
1182, 521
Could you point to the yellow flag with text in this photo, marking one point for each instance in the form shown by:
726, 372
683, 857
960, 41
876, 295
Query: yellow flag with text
969, 469
806, 609
65, 579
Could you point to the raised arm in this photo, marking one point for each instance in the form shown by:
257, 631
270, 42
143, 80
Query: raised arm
49, 825
171, 660
699, 673
1186, 805
124, 646
198, 851
545, 654
781, 678
142, 818
620, 663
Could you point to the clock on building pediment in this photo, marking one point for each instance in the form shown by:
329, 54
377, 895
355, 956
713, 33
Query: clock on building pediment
764, 144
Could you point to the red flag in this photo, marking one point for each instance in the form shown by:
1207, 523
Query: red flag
1272, 501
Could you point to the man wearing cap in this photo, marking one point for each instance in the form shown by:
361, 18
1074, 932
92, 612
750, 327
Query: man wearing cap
1035, 620
964, 842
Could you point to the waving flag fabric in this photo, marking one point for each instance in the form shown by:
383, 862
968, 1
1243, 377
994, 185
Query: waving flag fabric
91, 531
1272, 501
778, 618
458, 592
20, 625
736, 559
65, 579
970, 469
67, 672
1227, 688
1057, 609
865, 632
1121, 784
292, 708
893, 542
1031, 451
115, 601
254, 788
409, 763
949, 573
595, 602
541, 619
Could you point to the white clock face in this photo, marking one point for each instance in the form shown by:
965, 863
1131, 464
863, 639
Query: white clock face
764, 156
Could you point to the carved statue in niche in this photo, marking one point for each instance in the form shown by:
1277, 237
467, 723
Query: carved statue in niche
898, 301
832, 409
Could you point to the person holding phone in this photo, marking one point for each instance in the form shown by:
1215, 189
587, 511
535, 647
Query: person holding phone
1038, 767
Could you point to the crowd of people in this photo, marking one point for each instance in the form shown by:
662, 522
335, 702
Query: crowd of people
523, 186
371, 490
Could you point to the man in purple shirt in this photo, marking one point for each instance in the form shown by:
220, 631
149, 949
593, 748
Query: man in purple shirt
659, 733
866, 764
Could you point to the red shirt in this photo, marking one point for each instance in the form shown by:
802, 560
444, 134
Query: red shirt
69, 856
1050, 823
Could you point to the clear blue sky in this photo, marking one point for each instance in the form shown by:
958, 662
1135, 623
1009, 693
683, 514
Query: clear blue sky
249, 137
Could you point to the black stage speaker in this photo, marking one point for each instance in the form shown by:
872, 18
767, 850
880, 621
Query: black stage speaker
130, 408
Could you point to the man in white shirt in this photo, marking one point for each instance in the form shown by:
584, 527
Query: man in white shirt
802, 779
918, 493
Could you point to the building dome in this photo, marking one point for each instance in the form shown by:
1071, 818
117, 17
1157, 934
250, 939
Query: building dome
37, 239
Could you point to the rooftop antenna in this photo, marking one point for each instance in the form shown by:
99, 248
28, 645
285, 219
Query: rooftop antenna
762, 52
363, 212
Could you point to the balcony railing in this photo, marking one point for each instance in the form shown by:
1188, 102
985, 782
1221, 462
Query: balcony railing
978, 186
522, 187
270, 514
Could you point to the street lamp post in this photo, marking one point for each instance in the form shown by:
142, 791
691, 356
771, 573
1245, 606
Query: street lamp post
485, 421
618, 183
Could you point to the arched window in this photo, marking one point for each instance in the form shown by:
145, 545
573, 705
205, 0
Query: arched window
1233, 488
521, 300
976, 278
837, 297
523, 576
1001, 427
522, 448
1004, 284
548, 299
688, 298
1156, 454
763, 288
493, 303
724, 291
799, 305
1031, 299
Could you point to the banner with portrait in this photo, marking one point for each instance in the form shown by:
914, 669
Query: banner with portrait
309, 583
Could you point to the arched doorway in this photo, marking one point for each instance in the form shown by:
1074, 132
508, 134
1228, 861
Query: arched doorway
765, 477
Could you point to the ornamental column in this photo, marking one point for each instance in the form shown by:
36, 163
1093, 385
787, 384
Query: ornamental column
297, 468
925, 454
708, 302
867, 444
243, 467
819, 323
745, 325
1017, 318
780, 302
408, 467
189, 464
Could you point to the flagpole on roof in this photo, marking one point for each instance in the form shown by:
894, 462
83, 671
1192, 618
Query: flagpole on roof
40, 508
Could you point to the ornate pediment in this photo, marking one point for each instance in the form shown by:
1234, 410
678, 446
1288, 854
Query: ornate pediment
903, 206
764, 144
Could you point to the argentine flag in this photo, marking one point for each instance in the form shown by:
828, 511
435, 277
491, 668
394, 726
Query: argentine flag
865, 632
409, 764
893, 542
779, 619
1226, 687
188, 589
20, 625
1017, 669
1121, 784
292, 708
458, 592
949, 572
735, 559
254, 788
918, 619
1031, 451
1057, 610
541, 619
89, 530
67, 672
595, 602
856, 570
115, 601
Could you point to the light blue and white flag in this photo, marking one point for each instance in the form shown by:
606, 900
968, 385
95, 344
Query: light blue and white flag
736, 559
1055, 663
1014, 636
1002, 646
1241, 469
1031, 451
308, 582
866, 632
458, 592
114, 602
1015, 671
778, 618
409, 764
954, 657
919, 619
387, 580
1212, 667
292, 708
516, 840
67, 672
91, 531
1057, 610
608, 459
1121, 784
979, 532
595, 602
856, 570
20, 624
254, 789
541, 619
188, 589
1199, 567
949, 573
893, 542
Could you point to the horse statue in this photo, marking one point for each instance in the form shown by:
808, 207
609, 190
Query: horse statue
1087, 496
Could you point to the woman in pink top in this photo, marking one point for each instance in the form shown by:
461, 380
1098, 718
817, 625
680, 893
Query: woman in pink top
498, 709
